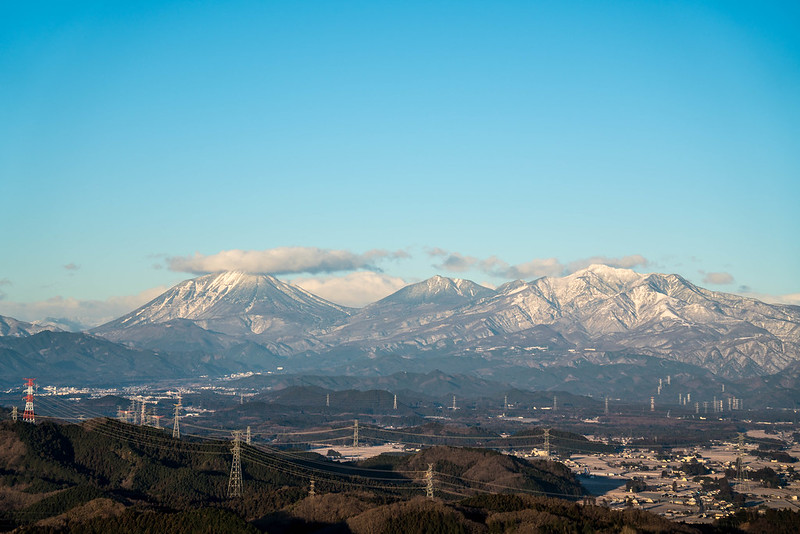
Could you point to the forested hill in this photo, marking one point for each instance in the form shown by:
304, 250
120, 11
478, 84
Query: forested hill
107, 476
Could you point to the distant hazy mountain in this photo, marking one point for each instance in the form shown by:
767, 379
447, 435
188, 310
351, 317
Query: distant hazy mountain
14, 328
67, 358
459, 326
70, 358
435, 291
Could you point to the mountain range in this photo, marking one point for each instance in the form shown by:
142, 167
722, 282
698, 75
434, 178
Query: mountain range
13, 328
598, 316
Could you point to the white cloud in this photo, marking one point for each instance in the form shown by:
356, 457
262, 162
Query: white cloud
535, 268
792, 299
455, 262
87, 313
718, 278
354, 289
282, 260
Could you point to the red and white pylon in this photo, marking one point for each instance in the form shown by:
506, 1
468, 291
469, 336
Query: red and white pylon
27, 415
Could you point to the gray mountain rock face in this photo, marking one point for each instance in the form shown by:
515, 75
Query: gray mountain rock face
593, 310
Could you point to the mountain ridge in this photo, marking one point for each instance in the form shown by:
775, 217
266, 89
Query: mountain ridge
529, 323
15, 328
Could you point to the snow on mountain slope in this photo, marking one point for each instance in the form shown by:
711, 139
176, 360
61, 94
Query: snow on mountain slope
601, 308
15, 328
653, 314
437, 290
410, 309
598, 308
234, 303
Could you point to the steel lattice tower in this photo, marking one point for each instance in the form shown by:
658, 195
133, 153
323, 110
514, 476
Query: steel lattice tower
355, 434
429, 482
14, 415
235, 481
740, 460
176, 428
247, 436
27, 415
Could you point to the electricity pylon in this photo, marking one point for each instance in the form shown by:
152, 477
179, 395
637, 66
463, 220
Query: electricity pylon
27, 415
235, 481
740, 461
176, 427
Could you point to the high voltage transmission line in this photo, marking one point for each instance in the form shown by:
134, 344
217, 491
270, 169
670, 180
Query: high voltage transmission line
295, 463
65, 411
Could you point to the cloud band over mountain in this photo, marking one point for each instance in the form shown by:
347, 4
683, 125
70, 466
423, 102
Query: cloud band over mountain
281, 260
535, 268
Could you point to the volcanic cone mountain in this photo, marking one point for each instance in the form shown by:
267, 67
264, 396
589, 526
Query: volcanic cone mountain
236, 304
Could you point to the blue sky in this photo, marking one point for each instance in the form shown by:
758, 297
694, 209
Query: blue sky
472, 139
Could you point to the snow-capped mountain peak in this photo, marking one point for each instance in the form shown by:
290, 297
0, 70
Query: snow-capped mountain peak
235, 303
439, 289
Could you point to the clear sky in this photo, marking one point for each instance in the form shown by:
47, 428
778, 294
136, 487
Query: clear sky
357, 146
